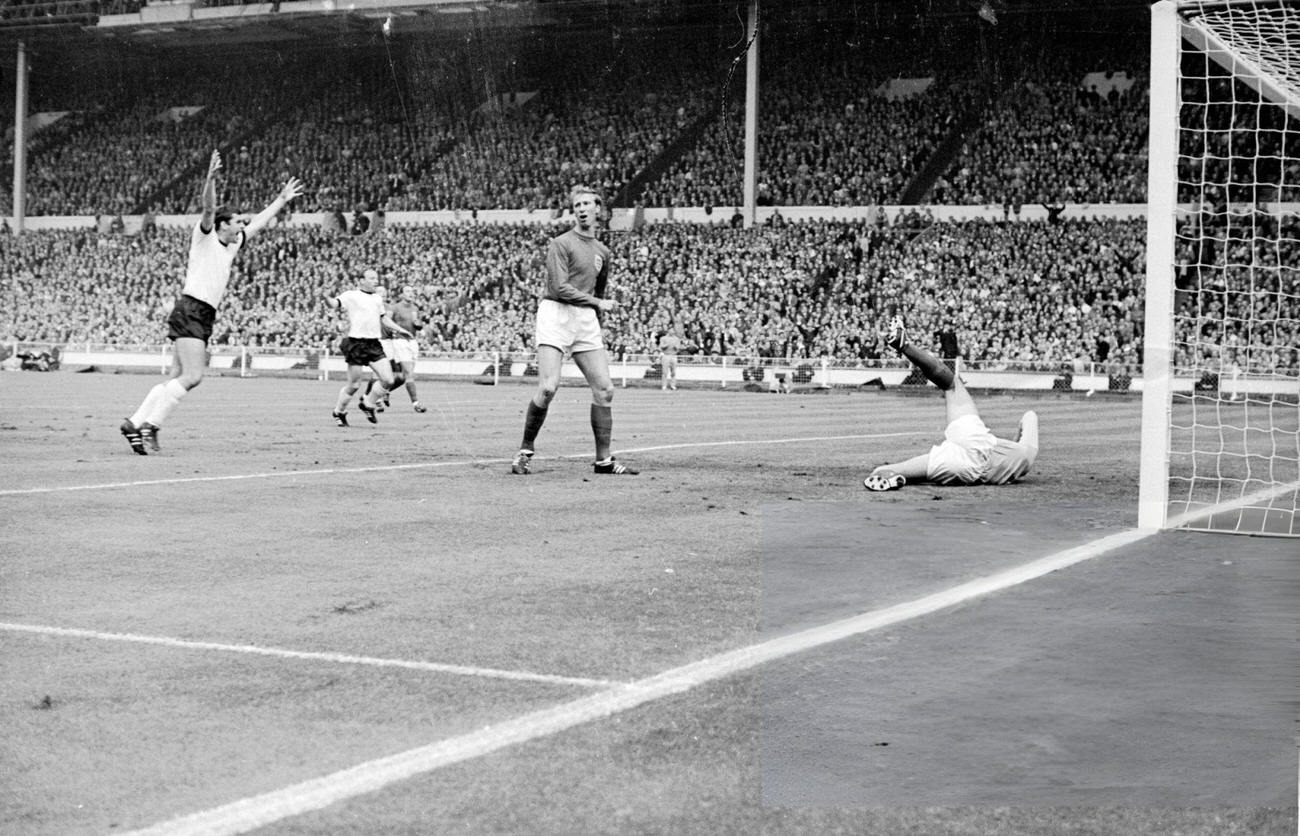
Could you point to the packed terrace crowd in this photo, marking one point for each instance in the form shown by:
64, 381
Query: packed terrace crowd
1030, 293
661, 115
406, 125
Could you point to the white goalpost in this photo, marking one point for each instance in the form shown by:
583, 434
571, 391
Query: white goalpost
1220, 419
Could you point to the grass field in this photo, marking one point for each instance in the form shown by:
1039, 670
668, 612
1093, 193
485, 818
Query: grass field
280, 625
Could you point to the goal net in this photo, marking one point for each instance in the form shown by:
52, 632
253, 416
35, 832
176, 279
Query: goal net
1221, 425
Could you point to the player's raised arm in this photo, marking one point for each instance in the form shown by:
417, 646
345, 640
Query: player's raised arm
290, 190
209, 198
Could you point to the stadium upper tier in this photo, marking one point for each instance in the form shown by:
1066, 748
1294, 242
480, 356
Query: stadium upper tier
944, 112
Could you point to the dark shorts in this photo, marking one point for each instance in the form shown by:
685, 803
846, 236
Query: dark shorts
359, 351
191, 317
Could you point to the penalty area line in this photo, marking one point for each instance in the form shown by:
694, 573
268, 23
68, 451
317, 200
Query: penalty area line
371, 776
336, 658
335, 471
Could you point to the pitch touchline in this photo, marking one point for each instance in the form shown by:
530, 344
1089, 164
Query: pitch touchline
327, 471
338, 658
315, 794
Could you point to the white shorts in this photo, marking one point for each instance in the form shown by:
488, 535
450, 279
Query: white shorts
402, 350
570, 328
964, 453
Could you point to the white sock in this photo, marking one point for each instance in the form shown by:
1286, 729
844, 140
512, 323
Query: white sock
172, 392
148, 405
375, 395
345, 396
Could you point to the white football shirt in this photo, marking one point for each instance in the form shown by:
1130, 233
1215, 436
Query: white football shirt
208, 271
365, 312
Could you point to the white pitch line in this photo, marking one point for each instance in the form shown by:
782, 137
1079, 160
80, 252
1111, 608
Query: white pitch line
1187, 518
759, 441
276, 474
317, 793
330, 471
337, 658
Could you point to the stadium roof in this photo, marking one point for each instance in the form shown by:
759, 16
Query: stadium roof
220, 23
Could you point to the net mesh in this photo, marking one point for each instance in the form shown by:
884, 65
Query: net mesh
1234, 459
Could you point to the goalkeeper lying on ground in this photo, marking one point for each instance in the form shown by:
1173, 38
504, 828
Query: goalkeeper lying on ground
969, 453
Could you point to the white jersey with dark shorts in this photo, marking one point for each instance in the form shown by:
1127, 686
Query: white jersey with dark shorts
365, 311
206, 277
191, 318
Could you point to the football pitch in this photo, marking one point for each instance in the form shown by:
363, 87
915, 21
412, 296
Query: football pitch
282, 626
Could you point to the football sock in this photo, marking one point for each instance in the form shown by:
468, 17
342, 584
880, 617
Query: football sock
935, 370
602, 426
148, 405
345, 395
533, 420
171, 396
374, 393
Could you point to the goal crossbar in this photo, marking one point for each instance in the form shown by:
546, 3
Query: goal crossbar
1262, 80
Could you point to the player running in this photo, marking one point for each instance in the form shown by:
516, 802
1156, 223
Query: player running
401, 351
217, 238
367, 317
969, 453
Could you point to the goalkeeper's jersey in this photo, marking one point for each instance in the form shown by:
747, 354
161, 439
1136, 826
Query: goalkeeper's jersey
1009, 461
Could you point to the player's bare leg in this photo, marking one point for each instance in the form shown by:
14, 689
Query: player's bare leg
549, 362
594, 366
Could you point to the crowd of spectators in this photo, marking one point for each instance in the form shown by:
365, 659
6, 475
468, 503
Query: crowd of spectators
386, 126
1236, 147
1039, 294
399, 126
1067, 123
1054, 142
809, 289
828, 133
1238, 299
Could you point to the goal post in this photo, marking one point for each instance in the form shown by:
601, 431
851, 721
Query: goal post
1220, 419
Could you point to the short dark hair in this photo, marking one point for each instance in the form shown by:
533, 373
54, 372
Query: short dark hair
223, 215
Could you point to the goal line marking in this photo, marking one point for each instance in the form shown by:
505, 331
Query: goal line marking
257, 811
1252, 501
